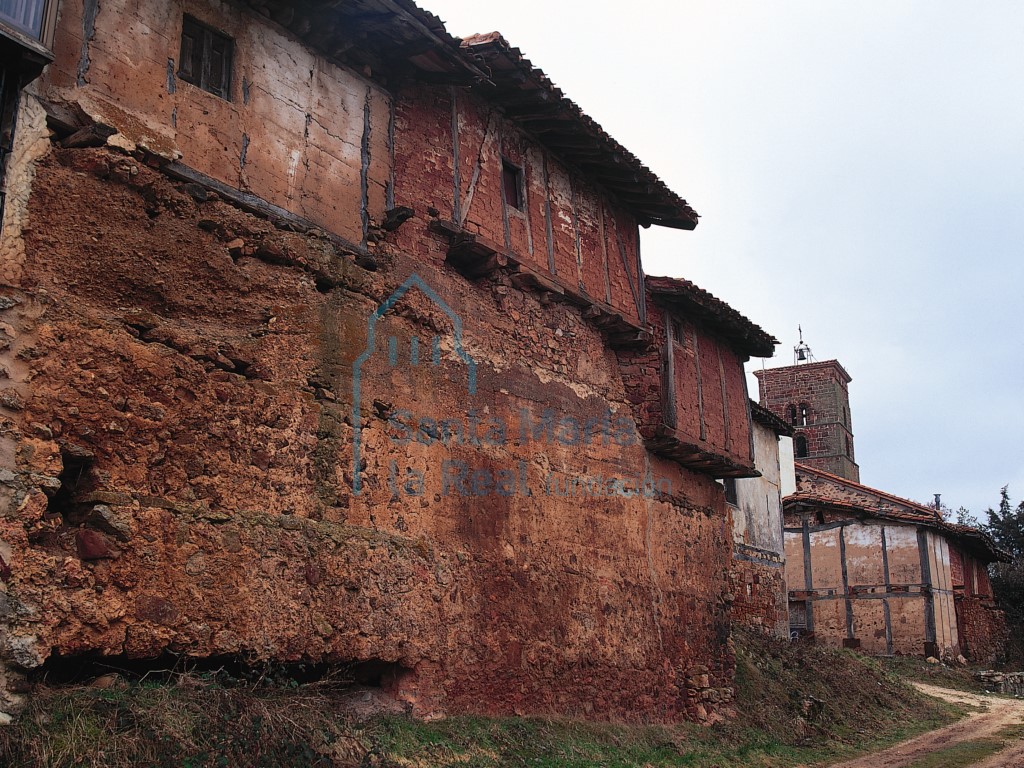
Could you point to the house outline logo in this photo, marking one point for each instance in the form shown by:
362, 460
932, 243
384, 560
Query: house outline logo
413, 281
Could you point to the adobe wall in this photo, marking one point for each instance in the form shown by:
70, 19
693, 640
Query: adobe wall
885, 588
451, 147
298, 131
179, 427
758, 522
710, 397
758, 566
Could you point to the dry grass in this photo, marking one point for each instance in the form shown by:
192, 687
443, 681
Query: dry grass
191, 720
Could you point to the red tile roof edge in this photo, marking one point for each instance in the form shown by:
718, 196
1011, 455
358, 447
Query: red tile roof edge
925, 516
676, 212
754, 339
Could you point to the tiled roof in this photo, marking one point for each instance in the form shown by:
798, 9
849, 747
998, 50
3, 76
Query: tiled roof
768, 419
698, 303
530, 98
840, 489
818, 488
384, 39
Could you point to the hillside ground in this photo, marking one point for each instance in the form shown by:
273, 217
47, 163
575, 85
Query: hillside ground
798, 704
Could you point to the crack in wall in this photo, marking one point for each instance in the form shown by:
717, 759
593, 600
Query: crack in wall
364, 167
90, 11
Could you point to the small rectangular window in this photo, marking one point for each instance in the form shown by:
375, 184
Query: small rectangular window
730, 491
678, 332
512, 184
206, 58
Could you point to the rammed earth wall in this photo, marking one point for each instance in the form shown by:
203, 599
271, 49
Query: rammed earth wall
180, 428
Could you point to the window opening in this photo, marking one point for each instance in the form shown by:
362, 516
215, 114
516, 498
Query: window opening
730, 491
512, 183
25, 15
206, 58
805, 414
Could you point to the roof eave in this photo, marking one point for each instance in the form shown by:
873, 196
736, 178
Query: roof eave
531, 99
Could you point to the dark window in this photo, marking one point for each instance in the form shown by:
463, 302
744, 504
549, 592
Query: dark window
791, 414
730, 491
11, 83
805, 414
205, 58
26, 15
512, 184
800, 446
678, 332
849, 447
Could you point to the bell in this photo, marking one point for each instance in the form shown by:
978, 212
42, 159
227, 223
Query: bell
801, 354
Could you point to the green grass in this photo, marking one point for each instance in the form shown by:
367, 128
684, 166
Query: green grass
970, 752
916, 668
194, 721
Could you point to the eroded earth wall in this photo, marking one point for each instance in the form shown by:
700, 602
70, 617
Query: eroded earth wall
186, 385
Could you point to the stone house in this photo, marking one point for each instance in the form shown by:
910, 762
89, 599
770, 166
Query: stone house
328, 339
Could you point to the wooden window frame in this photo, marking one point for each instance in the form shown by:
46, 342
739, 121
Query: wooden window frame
208, 35
508, 168
47, 26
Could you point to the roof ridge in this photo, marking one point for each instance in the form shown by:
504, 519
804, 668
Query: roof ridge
892, 497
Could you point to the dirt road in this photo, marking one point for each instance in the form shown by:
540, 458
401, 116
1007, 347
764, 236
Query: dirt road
998, 713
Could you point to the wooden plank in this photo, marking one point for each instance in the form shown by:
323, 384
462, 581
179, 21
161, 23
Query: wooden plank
256, 205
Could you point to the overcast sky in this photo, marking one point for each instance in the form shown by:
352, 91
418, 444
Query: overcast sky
859, 170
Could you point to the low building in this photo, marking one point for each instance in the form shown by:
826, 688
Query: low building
869, 570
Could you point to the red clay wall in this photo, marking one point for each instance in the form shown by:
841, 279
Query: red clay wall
710, 388
760, 596
982, 626
182, 436
292, 130
567, 229
983, 631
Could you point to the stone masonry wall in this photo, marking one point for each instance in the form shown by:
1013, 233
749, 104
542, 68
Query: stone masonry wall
982, 628
178, 437
761, 599
829, 433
